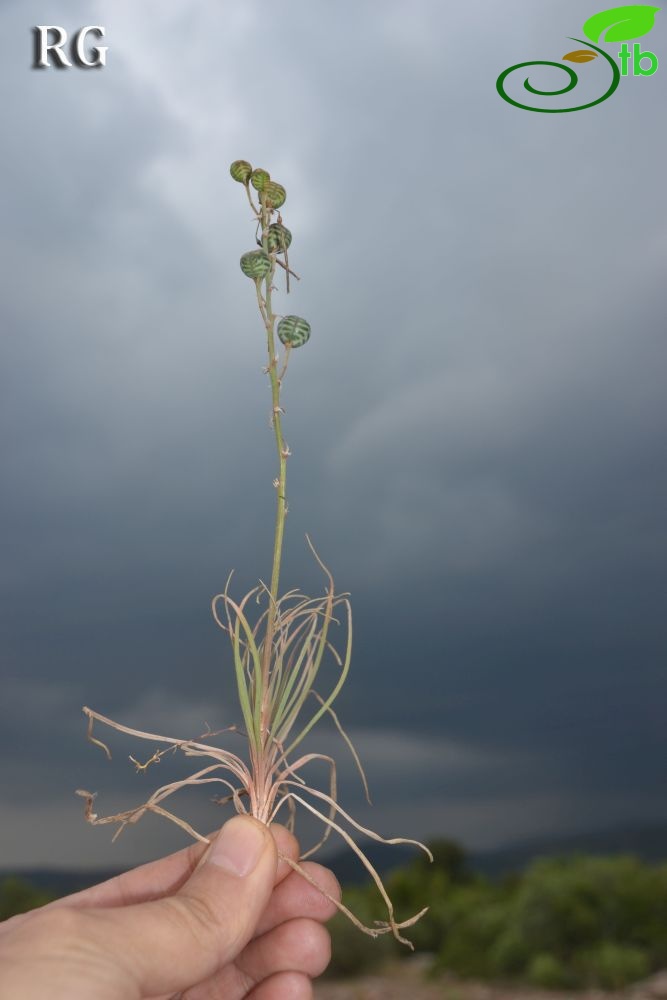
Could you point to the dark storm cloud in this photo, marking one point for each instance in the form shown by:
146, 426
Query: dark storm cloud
477, 423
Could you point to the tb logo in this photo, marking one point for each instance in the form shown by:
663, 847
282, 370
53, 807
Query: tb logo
50, 41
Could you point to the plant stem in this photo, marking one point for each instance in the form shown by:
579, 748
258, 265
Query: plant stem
281, 498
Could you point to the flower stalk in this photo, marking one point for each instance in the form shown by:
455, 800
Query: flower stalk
280, 653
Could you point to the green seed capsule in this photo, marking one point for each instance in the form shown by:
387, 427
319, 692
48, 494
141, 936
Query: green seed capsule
275, 194
293, 331
279, 237
255, 264
241, 171
259, 179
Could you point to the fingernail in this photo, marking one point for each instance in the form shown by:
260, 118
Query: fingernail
238, 847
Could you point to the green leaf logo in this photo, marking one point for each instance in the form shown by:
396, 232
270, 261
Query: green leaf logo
620, 24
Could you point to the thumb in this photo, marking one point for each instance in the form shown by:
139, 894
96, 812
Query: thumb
169, 944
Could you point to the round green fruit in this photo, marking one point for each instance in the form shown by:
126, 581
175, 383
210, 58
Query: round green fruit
293, 331
275, 194
259, 179
255, 264
241, 171
279, 237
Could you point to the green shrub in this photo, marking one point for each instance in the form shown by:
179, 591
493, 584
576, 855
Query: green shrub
565, 922
510, 954
405, 885
566, 904
611, 966
547, 971
473, 920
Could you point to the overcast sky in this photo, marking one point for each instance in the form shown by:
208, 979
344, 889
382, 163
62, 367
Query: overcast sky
477, 423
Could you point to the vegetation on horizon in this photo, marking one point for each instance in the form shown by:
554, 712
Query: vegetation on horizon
567, 922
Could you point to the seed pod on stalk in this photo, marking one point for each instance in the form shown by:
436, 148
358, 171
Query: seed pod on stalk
241, 171
259, 179
279, 237
255, 263
293, 331
275, 194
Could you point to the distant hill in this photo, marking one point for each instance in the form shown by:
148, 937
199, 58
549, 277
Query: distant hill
648, 843
60, 882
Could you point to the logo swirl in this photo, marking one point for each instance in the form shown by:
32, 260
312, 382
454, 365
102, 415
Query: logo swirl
573, 81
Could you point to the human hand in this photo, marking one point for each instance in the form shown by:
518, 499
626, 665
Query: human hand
208, 923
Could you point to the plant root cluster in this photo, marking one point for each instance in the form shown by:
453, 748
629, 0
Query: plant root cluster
276, 692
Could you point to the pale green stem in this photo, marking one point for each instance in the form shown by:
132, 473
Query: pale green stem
281, 499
